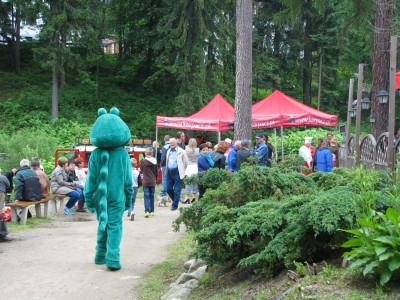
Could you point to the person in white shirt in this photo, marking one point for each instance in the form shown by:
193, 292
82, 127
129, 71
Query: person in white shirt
305, 152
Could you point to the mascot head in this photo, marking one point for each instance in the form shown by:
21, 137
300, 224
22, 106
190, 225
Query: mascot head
109, 131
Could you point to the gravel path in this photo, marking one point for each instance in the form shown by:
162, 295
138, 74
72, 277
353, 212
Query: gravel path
55, 261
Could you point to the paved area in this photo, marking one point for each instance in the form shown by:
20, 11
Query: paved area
55, 261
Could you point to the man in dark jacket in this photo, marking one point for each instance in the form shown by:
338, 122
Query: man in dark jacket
243, 154
261, 150
27, 183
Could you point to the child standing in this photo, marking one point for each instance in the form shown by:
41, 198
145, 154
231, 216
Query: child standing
148, 166
135, 183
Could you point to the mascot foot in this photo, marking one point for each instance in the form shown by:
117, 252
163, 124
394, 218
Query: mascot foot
113, 265
99, 260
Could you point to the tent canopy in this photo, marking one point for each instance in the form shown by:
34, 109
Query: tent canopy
278, 109
217, 116
397, 86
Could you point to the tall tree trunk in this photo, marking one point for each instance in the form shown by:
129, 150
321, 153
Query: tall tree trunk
307, 62
54, 95
62, 63
244, 9
97, 92
17, 48
381, 62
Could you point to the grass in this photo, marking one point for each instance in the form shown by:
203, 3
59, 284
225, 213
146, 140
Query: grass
155, 283
219, 283
31, 223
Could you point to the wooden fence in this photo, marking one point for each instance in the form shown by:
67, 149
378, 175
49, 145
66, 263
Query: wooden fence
373, 153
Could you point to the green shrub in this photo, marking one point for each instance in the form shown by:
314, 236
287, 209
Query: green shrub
27, 144
376, 245
212, 178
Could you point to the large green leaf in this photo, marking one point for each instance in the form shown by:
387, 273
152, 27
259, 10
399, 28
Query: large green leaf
387, 240
356, 242
385, 256
386, 274
393, 215
380, 250
368, 268
359, 262
394, 263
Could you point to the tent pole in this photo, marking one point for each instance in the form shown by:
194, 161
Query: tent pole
282, 142
276, 145
156, 133
219, 136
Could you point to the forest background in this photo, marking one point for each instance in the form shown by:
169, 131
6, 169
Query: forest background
174, 56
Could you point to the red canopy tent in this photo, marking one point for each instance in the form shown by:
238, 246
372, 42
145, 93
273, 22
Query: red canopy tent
280, 110
217, 116
397, 80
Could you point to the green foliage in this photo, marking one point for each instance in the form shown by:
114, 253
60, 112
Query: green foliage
376, 245
301, 269
213, 178
263, 219
26, 144
338, 177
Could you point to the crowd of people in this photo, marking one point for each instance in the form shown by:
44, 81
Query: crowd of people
182, 157
321, 159
178, 158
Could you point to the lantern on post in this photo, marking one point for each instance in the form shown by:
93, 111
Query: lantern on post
365, 103
383, 97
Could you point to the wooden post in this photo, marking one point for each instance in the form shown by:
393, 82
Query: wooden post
349, 107
358, 116
392, 104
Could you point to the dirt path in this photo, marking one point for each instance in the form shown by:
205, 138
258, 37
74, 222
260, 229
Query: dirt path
55, 261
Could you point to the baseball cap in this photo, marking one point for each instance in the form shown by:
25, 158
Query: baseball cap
259, 136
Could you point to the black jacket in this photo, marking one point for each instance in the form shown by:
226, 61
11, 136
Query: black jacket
10, 177
27, 184
219, 160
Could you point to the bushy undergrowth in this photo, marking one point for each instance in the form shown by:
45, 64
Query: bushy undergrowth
264, 219
374, 245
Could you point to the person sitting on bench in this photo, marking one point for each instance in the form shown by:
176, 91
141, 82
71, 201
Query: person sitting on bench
60, 185
27, 185
43, 178
3, 229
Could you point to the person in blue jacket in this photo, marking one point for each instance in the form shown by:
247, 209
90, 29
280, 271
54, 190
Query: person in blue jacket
261, 150
324, 159
204, 162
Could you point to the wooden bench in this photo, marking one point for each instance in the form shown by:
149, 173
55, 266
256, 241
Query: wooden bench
53, 202
24, 206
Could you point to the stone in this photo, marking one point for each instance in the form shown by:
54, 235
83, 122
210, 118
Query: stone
196, 264
199, 272
189, 263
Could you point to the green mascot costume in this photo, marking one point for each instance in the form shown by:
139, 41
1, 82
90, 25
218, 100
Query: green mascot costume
108, 188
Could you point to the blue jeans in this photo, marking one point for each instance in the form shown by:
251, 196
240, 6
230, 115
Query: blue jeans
148, 192
81, 201
74, 196
133, 201
164, 182
174, 186
192, 189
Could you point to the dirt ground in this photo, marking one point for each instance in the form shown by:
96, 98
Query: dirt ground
55, 261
